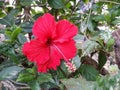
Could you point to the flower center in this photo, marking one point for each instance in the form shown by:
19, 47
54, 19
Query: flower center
49, 41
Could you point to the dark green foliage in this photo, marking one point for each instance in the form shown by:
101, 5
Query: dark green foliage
9, 18
89, 72
10, 72
101, 59
95, 21
57, 4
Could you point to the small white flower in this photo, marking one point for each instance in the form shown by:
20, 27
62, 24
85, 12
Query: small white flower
2, 38
113, 69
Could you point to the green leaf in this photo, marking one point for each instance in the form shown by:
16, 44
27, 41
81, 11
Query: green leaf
15, 33
1, 3
90, 25
117, 21
27, 75
76, 61
89, 72
42, 78
22, 39
100, 41
89, 46
49, 86
74, 18
10, 72
9, 18
101, 59
108, 18
99, 18
26, 2
8, 33
110, 44
6, 64
105, 35
78, 84
57, 4
34, 85
27, 26
108, 82
64, 72
79, 38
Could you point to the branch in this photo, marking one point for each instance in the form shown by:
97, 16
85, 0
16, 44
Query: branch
110, 2
67, 1
41, 5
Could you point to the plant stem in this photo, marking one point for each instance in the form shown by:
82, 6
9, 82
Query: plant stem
63, 72
110, 2
54, 77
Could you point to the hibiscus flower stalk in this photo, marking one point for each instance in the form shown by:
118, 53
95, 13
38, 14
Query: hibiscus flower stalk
53, 42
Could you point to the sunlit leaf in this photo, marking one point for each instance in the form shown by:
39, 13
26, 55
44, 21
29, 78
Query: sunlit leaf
15, 34
79, 40
78, 84
89, 46
110, 44
117, 21
76, 61
27, 75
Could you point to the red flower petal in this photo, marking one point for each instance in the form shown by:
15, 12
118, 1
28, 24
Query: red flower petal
65, 31
42, 68
44, 27
35, 51
55, 57
46, 57
66, 49
52, 63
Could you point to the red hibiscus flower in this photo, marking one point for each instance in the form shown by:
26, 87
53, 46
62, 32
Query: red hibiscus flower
53, 42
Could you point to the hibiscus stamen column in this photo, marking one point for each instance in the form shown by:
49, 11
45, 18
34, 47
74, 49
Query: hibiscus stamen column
70, 65
60, 51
